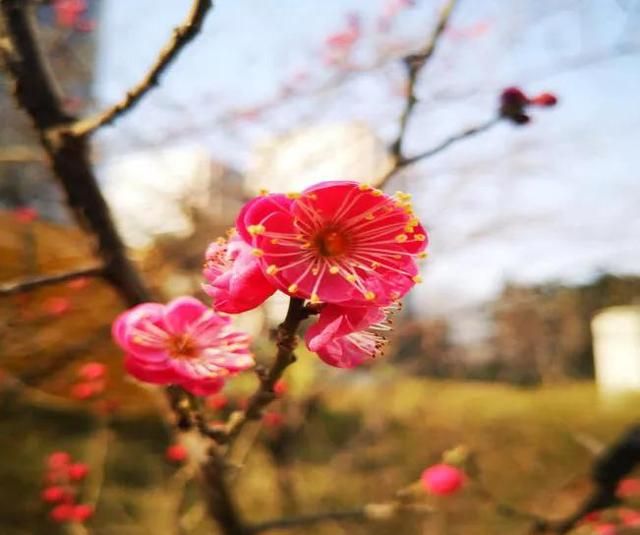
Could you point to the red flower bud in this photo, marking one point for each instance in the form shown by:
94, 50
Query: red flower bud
58, 460
176, 453
272, 420
82, 512
52, 494
92, 371
62, 513
280, 388
442, 479
83, 391
78, 471
545, 99
217, 401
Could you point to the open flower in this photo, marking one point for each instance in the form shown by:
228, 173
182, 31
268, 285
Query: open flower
346, 337
235, 279
183, 343
337, 242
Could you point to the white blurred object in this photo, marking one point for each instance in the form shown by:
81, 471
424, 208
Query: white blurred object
329, 152
147, 190
616, 349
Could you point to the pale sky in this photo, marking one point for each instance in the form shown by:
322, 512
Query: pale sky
556, 199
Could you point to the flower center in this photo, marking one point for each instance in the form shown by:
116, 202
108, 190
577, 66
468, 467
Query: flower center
182, 346
331, 243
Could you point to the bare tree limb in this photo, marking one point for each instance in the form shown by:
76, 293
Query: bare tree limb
35, 91
414, 64
11, 288
286, 342
182, 35
401, 162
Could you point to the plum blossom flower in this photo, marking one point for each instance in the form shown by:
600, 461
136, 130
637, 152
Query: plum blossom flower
336, 242
183, 343
235, 279
346, 337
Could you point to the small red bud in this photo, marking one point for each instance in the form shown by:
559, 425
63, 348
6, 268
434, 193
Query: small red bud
82, 512
25, 214
545, 99
62, 513
442, 479
217, 401
52, 494
83, 391
280, 388
58, 460
92, 371
176, 453
78, 471
272, 420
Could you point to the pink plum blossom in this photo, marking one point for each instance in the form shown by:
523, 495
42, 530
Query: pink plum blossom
236, 282
346, 337
183, 343
336, 242
442, 479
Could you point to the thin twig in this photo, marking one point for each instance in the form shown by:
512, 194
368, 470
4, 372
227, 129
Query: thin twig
181, 36
401, 162
33, 283
414, 64
264, 394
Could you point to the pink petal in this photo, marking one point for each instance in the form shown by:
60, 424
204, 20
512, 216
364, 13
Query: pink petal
160, 375
203, 387
180, 313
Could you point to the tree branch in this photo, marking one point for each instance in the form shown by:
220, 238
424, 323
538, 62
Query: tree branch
11, 288
414, 64
34, 89
401, 162
182, 35
286, 341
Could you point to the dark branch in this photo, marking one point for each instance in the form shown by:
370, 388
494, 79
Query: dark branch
609, 469
34, 90
286, 341
182, 35
11, 288
401, 163
414, 64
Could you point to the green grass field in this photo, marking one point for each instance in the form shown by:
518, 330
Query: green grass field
366, 440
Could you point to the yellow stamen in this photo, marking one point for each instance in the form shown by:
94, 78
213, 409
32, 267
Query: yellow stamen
334, 269
422, 255
292, 289
417, 279
376, 192
364, 187
314, 300
221, 241
272, 269
262, 192
419, 237
401, 238
375, 265
369, 295
351, 277
254, 230
257, 252
293, 195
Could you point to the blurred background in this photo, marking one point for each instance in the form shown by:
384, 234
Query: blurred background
523, 342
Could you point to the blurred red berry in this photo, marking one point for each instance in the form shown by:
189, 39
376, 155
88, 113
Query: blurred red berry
79, 283
56, 306
68, 11
52, 494
82, 512
442, 479
280, 388
58, 460
629, 517
217, 401
83, 391
272, 420
593, 516
78, 471
62, 513
176, 453
25, 214
92, 371
545, 99
605, 529
627, 488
